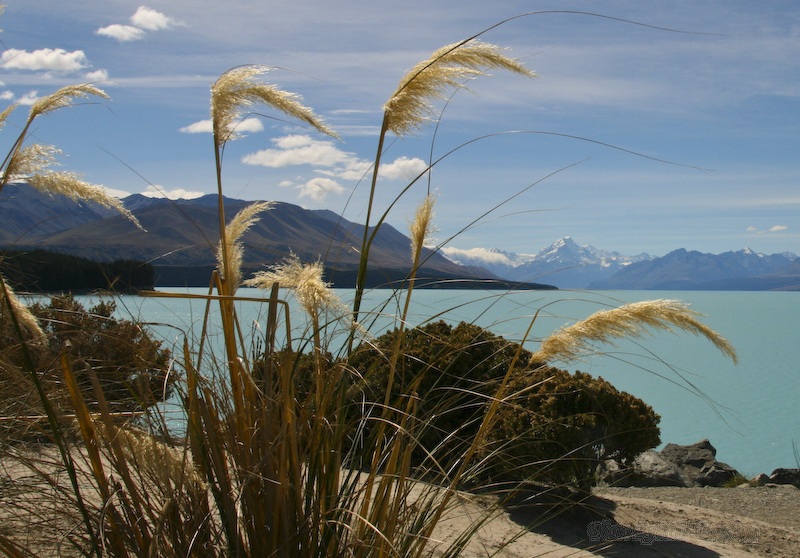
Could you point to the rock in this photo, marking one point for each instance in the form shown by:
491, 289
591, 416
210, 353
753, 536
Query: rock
760, 479
649, 469
785, 476
675, 465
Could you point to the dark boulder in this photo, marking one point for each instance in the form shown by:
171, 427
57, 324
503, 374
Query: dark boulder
785, 476
675, 465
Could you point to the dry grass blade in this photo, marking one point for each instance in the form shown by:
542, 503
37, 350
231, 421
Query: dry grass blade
629, 320
448, 67
238, 89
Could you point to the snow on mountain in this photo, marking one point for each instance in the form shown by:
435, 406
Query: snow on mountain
564, 263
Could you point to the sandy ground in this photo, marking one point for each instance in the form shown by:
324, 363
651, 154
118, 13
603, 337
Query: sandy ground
624, 522
664, 522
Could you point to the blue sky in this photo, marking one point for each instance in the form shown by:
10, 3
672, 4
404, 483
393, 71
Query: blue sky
713, 112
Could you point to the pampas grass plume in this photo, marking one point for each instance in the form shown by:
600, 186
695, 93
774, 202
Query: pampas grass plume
410, 105
30, 165
238, 89
234, 231
422, 225
24, 316
64, 97
628, 320
311, 291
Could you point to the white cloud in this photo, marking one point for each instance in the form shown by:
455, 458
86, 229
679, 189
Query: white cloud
29, 98
97, 76
475, 256
6, 96
248, 125
300, 150
116, 193
143, 20
199, 127
177, 193
332, 162
773, 229
151, 20
318, 188
122, 33
403, 168
57, 60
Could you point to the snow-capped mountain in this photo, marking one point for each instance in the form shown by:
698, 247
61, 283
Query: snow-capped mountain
689, 269
564, 263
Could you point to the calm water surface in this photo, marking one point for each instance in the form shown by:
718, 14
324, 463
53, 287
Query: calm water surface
749, 411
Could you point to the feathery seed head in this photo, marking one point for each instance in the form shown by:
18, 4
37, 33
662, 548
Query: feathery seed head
410, 105
69, 184
30, 164
629, 320
6, 113
234, 230
30, 160
166, 465
238, 89
422, 226
313, 294
26, 319
64, 97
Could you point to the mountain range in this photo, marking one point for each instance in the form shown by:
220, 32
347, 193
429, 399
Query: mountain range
565, 264
181, 237
182, 234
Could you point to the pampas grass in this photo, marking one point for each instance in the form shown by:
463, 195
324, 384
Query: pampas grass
629, 320
238, 89
10, 305
234, 231
410, 106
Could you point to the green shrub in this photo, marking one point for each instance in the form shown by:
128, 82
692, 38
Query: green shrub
559, 426
556, 428
449, 371
129, 364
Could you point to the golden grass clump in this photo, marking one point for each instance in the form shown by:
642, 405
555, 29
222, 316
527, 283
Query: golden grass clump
238, 89
409, 106
234, 231
628, 320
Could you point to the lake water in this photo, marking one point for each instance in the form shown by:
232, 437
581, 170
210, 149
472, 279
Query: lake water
749, 411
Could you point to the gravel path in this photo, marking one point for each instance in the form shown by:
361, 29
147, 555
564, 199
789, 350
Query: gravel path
773, 504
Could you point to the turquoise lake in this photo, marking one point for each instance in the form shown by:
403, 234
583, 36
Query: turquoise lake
748, 411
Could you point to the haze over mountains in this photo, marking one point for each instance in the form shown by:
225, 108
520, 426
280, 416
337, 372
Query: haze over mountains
181, 236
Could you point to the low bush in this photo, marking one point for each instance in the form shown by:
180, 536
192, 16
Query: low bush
130, 365
559, 425
555, 427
